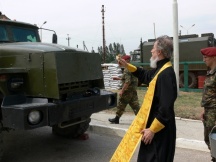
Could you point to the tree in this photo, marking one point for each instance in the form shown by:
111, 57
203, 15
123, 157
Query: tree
111, 52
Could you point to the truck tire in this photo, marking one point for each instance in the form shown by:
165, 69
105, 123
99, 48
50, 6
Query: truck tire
1, 142
72, 131
192, 80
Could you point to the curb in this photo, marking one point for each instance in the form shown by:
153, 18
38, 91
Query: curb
191, 144
180, 142
185, 119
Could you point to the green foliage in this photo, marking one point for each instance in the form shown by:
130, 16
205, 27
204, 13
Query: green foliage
111, 51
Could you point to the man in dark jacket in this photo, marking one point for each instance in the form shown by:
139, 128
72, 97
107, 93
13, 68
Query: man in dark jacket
158, 133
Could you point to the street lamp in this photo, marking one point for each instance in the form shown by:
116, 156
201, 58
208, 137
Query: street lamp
41, 29
187, 28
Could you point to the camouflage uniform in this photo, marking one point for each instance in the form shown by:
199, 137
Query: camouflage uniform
129, 96
209, 104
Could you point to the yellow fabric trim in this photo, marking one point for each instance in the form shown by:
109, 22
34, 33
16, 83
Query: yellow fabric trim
131, 139
156, 126
131, 68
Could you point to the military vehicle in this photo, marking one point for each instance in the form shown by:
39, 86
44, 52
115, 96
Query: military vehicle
189, 54
46, 84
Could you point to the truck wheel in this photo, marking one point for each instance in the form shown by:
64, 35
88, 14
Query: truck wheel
1, 142
192, 80
72, 131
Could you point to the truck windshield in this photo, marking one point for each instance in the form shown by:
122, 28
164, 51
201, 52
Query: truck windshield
3, 34
24, 35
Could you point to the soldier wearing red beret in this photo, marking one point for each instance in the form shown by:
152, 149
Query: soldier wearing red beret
208, 116
126, 57
210, 51
128, 93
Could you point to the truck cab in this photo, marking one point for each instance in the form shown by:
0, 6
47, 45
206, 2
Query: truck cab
12, 31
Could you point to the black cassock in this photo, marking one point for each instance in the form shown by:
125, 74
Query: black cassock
162, 148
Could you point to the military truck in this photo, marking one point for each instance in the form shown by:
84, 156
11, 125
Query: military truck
46, 84
189, 54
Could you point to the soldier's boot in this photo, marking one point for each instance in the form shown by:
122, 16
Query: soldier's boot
114, 120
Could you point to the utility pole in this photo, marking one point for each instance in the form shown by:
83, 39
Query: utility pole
103, 30
154, 30
68, 39
176, 42
92, 50
141, 50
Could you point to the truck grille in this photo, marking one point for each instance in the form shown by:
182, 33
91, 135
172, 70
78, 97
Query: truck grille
74, 87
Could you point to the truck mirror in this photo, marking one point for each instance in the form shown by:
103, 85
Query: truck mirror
54, 38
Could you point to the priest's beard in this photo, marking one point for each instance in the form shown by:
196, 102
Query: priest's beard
153, 62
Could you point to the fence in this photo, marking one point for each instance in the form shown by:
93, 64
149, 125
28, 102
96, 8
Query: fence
186, 65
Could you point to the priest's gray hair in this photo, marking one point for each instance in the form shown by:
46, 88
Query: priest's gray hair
165, 45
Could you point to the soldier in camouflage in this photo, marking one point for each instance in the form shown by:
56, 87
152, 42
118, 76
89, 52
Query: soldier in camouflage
128, 93
208, 116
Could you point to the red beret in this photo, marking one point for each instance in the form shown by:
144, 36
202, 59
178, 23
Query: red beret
210, 51
126, 57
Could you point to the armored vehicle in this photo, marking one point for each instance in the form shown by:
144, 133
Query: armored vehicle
44, 84
189, 54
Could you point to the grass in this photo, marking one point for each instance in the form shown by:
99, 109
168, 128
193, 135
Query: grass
187, 104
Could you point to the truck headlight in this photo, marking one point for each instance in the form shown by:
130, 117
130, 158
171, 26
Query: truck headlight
111, 100
16, 83
34, 117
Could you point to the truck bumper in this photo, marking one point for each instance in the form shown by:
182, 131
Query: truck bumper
16, 109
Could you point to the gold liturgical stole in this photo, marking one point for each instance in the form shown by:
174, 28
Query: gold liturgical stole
131, 139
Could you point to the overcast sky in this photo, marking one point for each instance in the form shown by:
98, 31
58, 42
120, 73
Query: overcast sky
126, 21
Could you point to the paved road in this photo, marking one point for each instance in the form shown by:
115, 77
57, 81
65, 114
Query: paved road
40, 145
189, 132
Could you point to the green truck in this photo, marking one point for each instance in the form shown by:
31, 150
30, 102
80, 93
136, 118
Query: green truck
46, 84
190, 58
